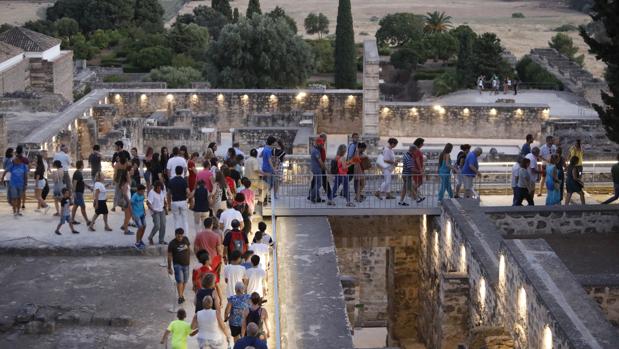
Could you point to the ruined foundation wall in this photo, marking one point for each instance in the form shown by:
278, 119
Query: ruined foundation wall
607, 297
15, 78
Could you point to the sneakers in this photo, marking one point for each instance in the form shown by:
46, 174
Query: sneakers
129, 232
420, 199
162, 243
330, 203
350, 204
150, 241
403, 204
76, 223
377, 194
91, 228
57, 232
181, 300
139, 246
390, 197
75, 232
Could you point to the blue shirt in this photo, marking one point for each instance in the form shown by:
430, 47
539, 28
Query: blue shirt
471, 159
407, 164
267, 152
250, 342
315, 161
239, 304
137, 205
18, 172
526, 149
352, 148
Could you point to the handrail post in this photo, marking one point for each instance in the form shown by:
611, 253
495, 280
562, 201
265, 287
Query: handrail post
278, 336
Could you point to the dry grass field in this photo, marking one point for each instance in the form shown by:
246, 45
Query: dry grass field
518, 35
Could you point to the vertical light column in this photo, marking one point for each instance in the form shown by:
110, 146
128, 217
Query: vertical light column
371, 69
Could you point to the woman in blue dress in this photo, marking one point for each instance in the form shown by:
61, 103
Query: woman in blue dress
553, 184
444, 172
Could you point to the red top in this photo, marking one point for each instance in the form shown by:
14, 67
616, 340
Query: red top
191, 181
208, 241
198, 273
323, 153
341, 170
418, 155
206, 175
231, 185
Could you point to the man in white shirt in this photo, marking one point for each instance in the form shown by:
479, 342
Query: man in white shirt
65, 160
545, 152
256, 277
515, 171
388, 165
533, 169
252, 171
233, 273
227, 216
174, 161
156, 204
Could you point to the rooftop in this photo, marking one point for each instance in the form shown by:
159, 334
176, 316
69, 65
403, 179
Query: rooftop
28, 40
8, 51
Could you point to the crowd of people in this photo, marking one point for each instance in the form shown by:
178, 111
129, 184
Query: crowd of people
495, 85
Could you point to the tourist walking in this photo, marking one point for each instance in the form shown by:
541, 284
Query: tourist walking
256, 276
251, 339
18, 177
234, 272
212, 333
222, 194
574, 182
39, 183
237, 304
545, 152
561, 172
58, 185
180, 330
6, 163
418, 168
526, 147
139, 215
470, 170
156, 203
148, 173
341, 177
444, 172
65, 215
258, 315
192, 171
615, 174
407, 177
362, 164
100, 202
178, 257
316, 166
552, 182
351, 155
250, 196
577, 151
464, 151
524, 183
65, 160
480, 84
179, 193
208, 288
124, 191
201, 207
94, 161
534, 172
79, 186
116, 158
387, 164
209, 241
177, 160
268, 171
515, 172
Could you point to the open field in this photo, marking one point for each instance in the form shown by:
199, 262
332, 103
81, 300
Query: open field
19, 12
518, 35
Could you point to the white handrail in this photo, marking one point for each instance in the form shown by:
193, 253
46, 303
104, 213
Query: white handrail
278, 336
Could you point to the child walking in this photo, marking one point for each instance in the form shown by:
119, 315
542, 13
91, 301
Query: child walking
65, 214
179, 329
139, 215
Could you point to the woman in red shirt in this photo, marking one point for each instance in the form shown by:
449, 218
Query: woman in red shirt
193, 172
341, 177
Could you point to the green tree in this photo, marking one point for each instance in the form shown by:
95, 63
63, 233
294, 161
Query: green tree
437, 22
532, 73
242, 58
398, 29
323, 54
67, 8
279, 13
565, 45
316, 24
4, 27
607, 13
107, 14
253, 8
42, 26
149, 15
66, 27
345, 54
235, 15
82, 49
223, 7
465, 71
488, 56
183, 60
175, 77
99, 38
191, 39
445, 83
151, 57
213, 20
440, 45
405, 58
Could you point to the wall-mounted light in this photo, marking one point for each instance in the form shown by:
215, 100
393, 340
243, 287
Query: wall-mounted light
220, 98
413, 111
519, 112
170, 98
117, 97
466, 112
351, 101
245, 98
482, 293
143, 97
493, 112
502, 272
273, 98
385, 111
547, 338
462, 266
546, 113
522, 303
300, 96
194, 97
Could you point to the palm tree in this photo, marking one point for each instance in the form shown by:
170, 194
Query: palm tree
437, 22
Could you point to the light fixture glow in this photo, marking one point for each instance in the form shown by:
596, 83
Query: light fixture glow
448, 247
466, 112
143, 97
273, 99
493, 112
220, 98
502, 272
462, 266
170, 98
522, 304
300, 96
482, 293
546, 113
547, 338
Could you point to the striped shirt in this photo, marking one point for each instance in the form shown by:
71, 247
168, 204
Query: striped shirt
407, 164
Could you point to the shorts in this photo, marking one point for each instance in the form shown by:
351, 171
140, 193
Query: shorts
147, 177
181, 273
467, 182
140, 221
58, 193
40, 184
78, 199
235, 330
212, 343
101, 207
408, 182
65, 219
15, 192
418, 179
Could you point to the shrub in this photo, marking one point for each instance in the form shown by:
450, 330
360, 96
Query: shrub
428, 74
566, 28
114, 78
384, 51
445, 83
532, 73
517, 15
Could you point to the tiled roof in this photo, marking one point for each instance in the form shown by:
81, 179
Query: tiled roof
28, 40
8, 51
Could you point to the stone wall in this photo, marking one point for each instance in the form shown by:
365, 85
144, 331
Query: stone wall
522, 222
3, 129
607, 297
63, 75
462, 121
15, 78
335, 111
595, 143
249, 138
163, 136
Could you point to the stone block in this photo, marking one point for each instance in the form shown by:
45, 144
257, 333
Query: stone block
26, 313
69, 318
101, 319
5, 324
121, 321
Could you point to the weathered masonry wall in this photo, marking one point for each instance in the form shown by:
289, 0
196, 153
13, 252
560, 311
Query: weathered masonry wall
53, 76
336, 111
381, 254
607, 297
15, 78
590, 132
461, 121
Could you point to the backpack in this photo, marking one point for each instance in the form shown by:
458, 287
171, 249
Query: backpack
333, 167
237, 241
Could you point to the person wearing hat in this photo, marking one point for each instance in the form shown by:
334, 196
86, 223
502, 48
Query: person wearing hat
317, 166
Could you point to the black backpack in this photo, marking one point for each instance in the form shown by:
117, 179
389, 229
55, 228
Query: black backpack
333, 167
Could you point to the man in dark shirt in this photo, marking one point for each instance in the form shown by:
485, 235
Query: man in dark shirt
615, 173
251, 339
179, 192
119, 149
235, 239
94, 160
178, 257
78, 193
